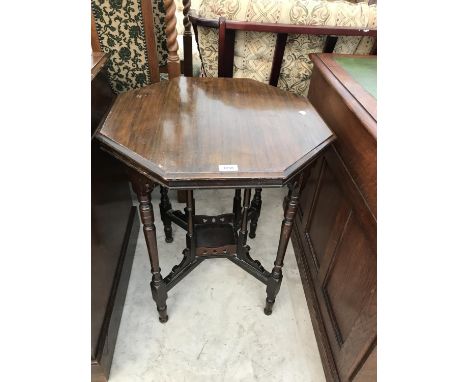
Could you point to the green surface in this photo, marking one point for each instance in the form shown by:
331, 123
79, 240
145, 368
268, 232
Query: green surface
363, 70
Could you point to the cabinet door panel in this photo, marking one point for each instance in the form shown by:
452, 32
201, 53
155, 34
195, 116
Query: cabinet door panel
327, 218
350, 280
312, 175
342, 250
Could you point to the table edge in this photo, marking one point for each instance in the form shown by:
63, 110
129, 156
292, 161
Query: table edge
148, 169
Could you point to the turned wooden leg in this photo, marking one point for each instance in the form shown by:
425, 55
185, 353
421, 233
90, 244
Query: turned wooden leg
181, 196
274, 282
190, 211
165, 206
242, 240
173, 61
255, 207
287, 198
237, 208
143, 188
192, 202
190, 192
188, 65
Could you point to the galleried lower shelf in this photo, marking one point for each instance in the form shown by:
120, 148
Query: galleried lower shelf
215, 239
221, 236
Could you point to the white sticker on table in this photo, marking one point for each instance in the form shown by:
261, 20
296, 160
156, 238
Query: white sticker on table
228, 167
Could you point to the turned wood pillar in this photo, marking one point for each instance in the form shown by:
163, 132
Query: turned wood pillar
143, 188
164, 207
188, 65
242, 241
255, 209
274, 282
173, 62
237, 208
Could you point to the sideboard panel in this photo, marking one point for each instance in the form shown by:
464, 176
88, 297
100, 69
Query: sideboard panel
326, 217
334, 240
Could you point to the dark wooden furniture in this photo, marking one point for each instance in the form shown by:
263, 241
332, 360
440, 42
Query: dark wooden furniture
335, 230
228, 28
197, 133
114, 231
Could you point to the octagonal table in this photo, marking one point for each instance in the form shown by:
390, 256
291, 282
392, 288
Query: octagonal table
201, 133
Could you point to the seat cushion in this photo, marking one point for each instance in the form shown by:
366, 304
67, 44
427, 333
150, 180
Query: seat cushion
253, 51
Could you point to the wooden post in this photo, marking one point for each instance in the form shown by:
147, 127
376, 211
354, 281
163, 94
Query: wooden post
255, 207
237, 208
173, 62
274, 281
190, 234
165, 206
188, 65
95, 45
148, 25
225, 49
242, 241
143, 188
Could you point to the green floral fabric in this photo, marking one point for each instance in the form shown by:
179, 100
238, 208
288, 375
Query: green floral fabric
159, 13
120, 28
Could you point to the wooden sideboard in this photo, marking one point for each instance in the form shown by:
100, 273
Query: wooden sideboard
334, 235
114, 231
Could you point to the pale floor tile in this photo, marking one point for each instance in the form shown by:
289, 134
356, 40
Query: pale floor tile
217, 330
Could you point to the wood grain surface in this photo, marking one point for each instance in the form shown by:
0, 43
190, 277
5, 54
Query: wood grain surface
180, 132
335, 237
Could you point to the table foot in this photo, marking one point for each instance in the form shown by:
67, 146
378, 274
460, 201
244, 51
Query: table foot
272, 289
159, 292
268, 307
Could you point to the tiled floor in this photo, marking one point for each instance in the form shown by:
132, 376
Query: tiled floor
217, 330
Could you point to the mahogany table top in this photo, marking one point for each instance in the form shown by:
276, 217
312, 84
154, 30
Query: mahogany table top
214, 133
